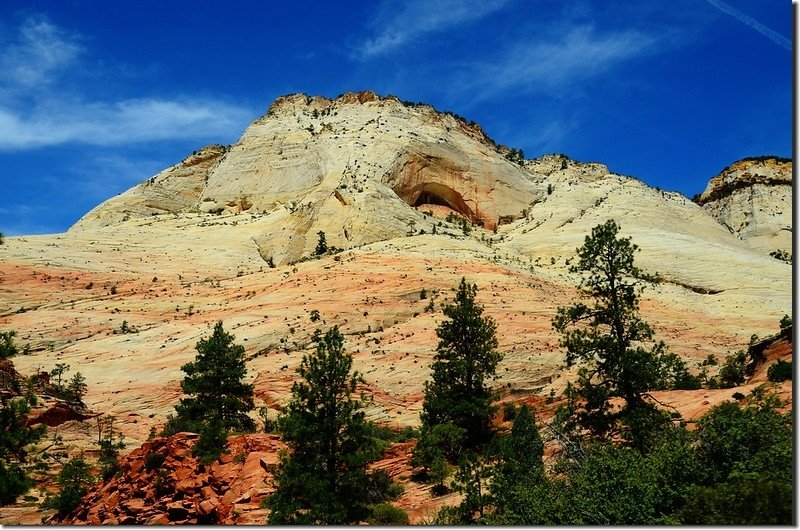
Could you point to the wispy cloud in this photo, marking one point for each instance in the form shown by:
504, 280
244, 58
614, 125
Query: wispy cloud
126, 121
776, 37
36, 110
547, 65
413, 19
40, 50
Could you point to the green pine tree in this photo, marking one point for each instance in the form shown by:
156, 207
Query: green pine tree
214, 384
322, 479
518, 470
612, 344
218, 399
465, 358
15, 439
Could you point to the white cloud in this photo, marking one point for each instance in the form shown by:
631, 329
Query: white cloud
36, 110
40, 51
125, 121
548, 65
400, 24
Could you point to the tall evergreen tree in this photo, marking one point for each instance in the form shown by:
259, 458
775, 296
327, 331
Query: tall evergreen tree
323, 480
518, 470
610, 341
465, 358
214, 384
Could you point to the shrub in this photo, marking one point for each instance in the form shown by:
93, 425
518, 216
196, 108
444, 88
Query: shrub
733, 371
674, 375
13, 483
509, 412
786, 322
109, 450
74, 481
780, 371
212, 441
405, 434
176, 424
154, 461
7, 347
322, 245
270, 425
746, 500
436, 443
781, 255
387, 515
381, 487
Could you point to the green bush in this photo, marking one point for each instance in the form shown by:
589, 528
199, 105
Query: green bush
176, 424
745, 500
270, 425
733, 372
212, 442
780, 371
7, 347
440, 442
322, 245
381, 487
74, 481
509, 412
406, 434
154, 461
387, 515
13, 483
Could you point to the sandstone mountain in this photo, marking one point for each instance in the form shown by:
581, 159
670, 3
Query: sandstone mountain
411, 200
753, 199
349, 167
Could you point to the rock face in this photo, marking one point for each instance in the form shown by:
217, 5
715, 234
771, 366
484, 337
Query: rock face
753, 199
174, 190
348, 167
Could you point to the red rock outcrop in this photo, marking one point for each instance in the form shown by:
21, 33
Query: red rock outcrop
54, 413
161, 482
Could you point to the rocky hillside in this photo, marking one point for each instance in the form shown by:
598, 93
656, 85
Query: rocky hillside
753, 199
410, 200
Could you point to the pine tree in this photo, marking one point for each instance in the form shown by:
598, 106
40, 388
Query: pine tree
214, 384
15, 437
518, 469
322, 245
323, 480
609, 340
465, 358
7, 347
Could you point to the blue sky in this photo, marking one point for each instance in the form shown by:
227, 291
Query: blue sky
96, 96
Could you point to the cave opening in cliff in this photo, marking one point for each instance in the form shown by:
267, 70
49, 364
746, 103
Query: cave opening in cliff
427, 197
436, 194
